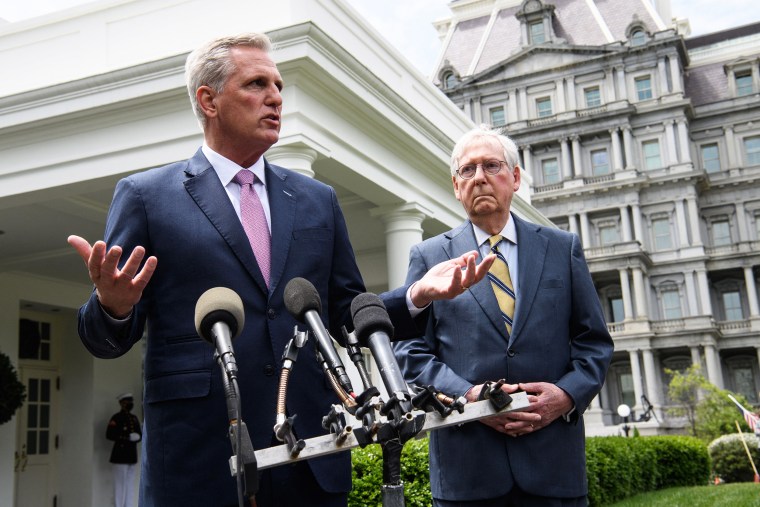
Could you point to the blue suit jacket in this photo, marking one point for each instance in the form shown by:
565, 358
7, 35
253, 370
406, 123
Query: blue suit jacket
181, 214
559, 336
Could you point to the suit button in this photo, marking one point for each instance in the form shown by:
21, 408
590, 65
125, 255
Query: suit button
271, 314
269, 370
511, 353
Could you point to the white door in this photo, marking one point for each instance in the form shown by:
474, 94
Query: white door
36, 442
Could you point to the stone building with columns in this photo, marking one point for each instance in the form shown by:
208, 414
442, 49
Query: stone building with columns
646, 143
96, 92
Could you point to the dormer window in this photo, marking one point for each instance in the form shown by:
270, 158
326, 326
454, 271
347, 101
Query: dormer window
448, 76
638, 37
536, 23
449, 81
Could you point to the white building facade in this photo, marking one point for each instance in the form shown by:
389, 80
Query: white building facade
97, 92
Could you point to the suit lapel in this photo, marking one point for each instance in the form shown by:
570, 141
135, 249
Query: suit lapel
531, 251
282, 206
462, 240
207, 191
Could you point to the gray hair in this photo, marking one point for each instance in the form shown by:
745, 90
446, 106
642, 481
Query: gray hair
482, 133
210, 65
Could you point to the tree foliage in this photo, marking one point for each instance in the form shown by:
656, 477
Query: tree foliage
12, 391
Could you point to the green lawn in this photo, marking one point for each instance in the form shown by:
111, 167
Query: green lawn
729, 495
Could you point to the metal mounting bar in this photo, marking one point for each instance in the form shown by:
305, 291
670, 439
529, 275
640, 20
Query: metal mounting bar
328, 444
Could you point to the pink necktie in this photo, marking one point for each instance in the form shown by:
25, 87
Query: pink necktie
254, 221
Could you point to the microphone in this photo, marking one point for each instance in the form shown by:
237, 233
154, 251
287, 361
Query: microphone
219, 317
303, 303
374, 329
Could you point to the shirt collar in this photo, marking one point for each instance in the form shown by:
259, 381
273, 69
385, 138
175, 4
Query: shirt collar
509, 232
226, 169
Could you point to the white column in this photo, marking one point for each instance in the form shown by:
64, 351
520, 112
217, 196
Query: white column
695, 358
468, 109
577, 164
741, 222
683, 137
523, 104
512, 106
650, 373
638, 386
696, 235
403, 230
691, 293
297, 157
714, 371
609, 83
628, 147
683, 235
528, 161
662, 71
478, 110
571, 101
749, 279
675, 75
704, 292
625, 222
621, 93
639, 291
625, 289
560, 83
572, 221
585, 235
731, 145
670, 136
638, 231
564, 145
617, 155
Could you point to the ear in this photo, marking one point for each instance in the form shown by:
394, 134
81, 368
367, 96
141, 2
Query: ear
516, 172
206, 96
455, 182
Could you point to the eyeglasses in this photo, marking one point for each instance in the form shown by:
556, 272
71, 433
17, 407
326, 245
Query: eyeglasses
491, 167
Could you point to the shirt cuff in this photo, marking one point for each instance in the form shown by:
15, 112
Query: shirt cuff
413, 310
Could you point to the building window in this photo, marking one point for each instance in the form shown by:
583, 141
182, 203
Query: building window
593, 97
721, 232
671, 304
449, 80
661, 232
544, 107
744, 84
497, 116
752, 150
550, 170
732, 305
644, 87
600, 163
608, 234
617, 309
34, 340
710, 158
638, 37
652, 155
537, 34
743, 377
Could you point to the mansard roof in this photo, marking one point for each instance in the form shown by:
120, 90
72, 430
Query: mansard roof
485, 39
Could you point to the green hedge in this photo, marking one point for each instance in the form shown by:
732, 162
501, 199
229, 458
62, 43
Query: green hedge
618, 468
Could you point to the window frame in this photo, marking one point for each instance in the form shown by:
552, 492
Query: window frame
641, 92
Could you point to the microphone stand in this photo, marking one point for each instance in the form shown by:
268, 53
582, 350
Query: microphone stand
243, 461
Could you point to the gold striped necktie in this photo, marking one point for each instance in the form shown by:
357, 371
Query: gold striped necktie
502, 283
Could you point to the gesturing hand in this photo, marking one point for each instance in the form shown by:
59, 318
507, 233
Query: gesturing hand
448, 279
118, 290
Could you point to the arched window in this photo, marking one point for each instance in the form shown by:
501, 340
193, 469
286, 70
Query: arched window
638, 37
449, 81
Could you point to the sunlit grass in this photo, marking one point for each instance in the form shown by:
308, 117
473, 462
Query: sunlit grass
728, 495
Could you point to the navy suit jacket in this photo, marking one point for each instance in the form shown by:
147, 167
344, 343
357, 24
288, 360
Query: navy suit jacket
559, 336
181, 214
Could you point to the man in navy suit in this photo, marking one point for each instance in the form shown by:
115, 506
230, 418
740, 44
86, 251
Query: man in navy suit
556, 347
188, 216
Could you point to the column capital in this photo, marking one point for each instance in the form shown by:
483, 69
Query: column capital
296, 156
394, 213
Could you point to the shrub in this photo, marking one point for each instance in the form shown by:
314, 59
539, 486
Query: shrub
729, 457
368, 475
12, 391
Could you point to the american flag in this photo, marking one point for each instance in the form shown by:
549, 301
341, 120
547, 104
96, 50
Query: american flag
749, 417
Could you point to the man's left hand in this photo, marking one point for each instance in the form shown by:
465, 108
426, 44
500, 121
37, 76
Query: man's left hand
547, 400
449, 279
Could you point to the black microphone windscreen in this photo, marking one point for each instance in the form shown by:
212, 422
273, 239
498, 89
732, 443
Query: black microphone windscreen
300, 297
370, 316
219, 304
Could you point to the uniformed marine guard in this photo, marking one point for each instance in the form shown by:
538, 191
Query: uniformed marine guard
124, 429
